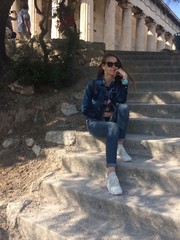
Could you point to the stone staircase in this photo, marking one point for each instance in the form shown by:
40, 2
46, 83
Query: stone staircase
77, 204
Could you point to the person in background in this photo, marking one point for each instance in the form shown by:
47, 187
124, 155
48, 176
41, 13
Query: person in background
107, 114
66, 16
9, 25
24, 24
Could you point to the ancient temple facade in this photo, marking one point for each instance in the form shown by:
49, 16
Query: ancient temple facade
129, 25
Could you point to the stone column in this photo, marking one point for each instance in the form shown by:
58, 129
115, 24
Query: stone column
32, 16
109, 29
140, 32
151, 38
161, 41
54, 29
169, 41
173, 45
86, 20
126, 26
15, 7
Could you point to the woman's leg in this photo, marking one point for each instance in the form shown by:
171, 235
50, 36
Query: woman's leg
110, 132
121, 117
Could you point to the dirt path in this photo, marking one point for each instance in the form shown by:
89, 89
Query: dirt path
30, 116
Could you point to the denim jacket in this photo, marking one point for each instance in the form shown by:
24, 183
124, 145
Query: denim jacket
93, 101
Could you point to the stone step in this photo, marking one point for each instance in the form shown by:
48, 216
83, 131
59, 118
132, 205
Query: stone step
148, 57
155, 126
153, 69
142, 171
158, 97
143, 54
148, 63
155, 110
142, 209
154, 86
168, 78
157, 147
58, 222
152, 57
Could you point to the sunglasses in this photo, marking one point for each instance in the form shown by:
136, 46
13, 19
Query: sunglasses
111, 64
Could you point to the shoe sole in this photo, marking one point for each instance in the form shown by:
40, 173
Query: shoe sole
115, 194
127, 160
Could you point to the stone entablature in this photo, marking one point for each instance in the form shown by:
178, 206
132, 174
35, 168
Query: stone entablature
160, 13
131, 25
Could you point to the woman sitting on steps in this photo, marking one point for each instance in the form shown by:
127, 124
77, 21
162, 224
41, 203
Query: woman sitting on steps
104, 105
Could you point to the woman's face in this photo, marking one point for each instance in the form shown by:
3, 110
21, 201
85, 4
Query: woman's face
111, 66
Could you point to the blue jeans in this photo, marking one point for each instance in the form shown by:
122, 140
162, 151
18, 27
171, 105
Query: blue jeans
112, 131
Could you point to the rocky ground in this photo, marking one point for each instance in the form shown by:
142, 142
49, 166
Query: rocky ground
31, 117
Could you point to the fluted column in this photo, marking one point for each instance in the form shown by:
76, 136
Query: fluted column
151, 38
161, 41
140, 32
173, 45
126, 26
86, 20
110, 13
169, 41
32, 16
16, 7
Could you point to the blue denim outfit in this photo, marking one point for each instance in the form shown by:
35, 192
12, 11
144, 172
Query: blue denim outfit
114, 128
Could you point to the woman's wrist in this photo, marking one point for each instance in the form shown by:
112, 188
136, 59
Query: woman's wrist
124, 81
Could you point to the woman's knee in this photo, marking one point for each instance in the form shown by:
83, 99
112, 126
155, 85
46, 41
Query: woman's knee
122, 107
113, 129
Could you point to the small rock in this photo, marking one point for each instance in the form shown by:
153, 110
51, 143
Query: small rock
2, 220
68, 109
25, 204
29, 142
13, 209
61, 137
36, 184
37, 150
11, 142
10, 132
24, 90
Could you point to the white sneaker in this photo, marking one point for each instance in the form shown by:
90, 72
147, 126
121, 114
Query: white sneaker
112, 184
123, 154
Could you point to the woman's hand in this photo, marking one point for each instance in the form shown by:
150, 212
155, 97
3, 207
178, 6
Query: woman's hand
121, 72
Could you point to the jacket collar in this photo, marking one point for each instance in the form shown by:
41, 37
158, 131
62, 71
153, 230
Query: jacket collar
101, 81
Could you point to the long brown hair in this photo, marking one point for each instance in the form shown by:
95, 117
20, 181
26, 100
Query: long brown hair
103, 61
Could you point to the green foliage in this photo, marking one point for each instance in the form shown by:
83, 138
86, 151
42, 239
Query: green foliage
60, 75
68, 59
60, 71
69, 51
29, 71
28, 64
